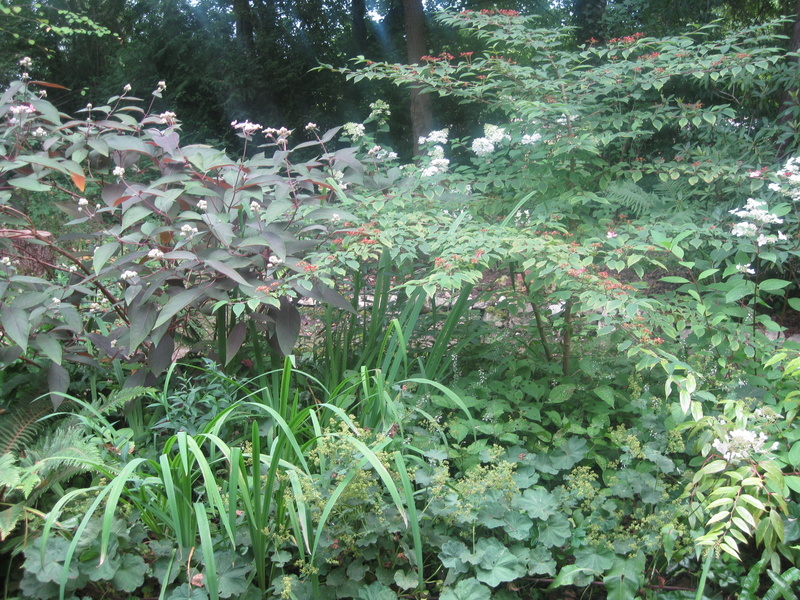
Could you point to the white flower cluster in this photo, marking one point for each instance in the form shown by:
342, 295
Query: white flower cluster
155, 254
438, 165
279, 135
757, 215
128, 275
741, 444
118, 172
39, 132
531, 139
380, 111
354, 131
21, 110
379, 153
247, 128
755, 210
482, 146
439, 136
188, 230
791, 175
26, 62
168, 117
6, 261
202, 205
161, 87
745, 269
311, 126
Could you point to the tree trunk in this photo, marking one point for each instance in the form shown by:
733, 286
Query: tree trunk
358, 13
421, 112
244, 23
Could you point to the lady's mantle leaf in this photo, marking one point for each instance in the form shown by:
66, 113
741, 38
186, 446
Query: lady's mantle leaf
497, 564
467, 589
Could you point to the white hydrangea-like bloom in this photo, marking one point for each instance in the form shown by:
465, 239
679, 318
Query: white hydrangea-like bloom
118, 172
756, 210
354, 131
744, 229
775, 187
202, 205
255, 206
83, 202
482, 146
437, 152
439, 136
741, 444
530, 139
495, 134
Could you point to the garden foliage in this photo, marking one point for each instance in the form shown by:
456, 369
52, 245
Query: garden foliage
548, 354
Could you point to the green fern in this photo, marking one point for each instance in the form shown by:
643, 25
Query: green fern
21, 424
632, 198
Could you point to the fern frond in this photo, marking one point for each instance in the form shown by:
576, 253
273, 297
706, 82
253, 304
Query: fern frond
20, 425
635, 200
119, 398
66, 447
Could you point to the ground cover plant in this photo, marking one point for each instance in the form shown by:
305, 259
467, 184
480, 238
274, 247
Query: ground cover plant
548, 358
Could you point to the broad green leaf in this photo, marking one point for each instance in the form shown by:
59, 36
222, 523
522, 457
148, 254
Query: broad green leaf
562, 393
176, 304
16, 324
555, 531
130, 576
538, 502
102, 254
497, 564
466, 589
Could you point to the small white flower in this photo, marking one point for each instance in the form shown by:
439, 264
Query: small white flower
161, 86
755, 174
439, 136
113, 343
188, 230
6, 261
56, 301
202, 204
127, 275
126, 88
95, 307
556, 308
482, 146
311, 126
274, 260
26, 62
775, 187
611, 234
745, 269
118, 172
39, 132
335, 217
83, 202
168, 117
255, 206
155, 253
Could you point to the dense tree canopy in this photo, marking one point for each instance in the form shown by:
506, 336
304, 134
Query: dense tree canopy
256, 59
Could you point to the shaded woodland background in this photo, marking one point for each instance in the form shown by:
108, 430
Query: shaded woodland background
255, 59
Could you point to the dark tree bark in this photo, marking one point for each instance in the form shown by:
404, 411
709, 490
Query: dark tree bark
358, 13
416, 46
244, 23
